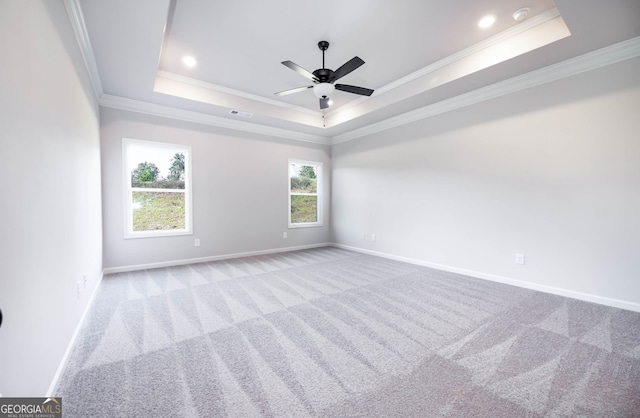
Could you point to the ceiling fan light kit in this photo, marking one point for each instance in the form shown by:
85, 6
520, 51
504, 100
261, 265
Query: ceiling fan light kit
323, 90
324, 78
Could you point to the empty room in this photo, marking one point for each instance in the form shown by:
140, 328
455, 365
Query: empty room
320, 209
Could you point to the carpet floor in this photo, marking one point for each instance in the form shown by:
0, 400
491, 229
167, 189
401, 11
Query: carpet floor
332, 333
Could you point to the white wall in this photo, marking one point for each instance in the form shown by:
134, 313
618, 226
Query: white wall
552, 172
239, 191
50, 208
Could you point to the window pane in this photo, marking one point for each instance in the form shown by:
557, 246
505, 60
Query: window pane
154, 211
156, 168
305, 193
303, 178
304, 209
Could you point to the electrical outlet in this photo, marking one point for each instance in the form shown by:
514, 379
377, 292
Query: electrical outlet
78, 288
519, 258
196, 242
84, 281
373, 237
284, 235
363, 236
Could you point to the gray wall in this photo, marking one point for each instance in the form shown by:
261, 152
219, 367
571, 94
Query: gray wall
239, 191
552, 172
50, 211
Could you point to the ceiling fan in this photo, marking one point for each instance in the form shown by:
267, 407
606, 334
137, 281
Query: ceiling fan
324, 78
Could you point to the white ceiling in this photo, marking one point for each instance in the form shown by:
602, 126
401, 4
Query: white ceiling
418, 54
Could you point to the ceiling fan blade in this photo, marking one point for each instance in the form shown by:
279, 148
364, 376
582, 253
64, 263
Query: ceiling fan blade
354, 89
298, 69
291, 91
324, 102
347, 67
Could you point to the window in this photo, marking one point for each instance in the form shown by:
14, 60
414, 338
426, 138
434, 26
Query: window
157, 187
305, 193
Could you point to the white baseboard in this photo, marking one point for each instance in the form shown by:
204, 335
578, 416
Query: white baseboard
65, 358
616, 303
171, 263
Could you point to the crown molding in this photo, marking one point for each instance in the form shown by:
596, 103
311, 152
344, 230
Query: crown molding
234, 92
600, 58
122, 103
423, 72
605, 56
458, 56
82, 37
467, 52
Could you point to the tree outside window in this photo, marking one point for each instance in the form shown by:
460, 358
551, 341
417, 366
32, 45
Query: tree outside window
304, 193
157, 189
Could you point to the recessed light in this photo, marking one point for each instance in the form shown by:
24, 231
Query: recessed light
189, 61
520, 15
487, 21
330, 102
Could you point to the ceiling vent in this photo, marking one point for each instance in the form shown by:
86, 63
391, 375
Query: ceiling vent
240, 113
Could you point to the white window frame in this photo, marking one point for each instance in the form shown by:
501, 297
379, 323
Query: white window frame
318, 194
128, 190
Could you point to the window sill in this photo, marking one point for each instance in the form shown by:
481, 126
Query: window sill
305, 225
157, 234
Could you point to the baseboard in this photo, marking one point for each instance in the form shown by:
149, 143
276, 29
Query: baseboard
65, 358
616, 303
171, 263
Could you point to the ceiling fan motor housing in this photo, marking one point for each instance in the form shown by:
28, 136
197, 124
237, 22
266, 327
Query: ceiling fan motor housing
324, 75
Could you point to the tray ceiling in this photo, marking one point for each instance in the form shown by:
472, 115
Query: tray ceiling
417, 54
